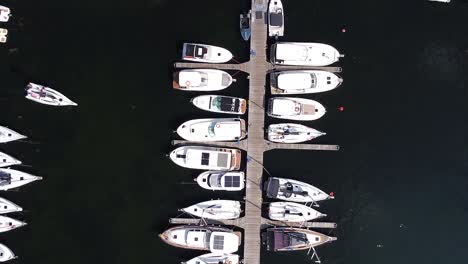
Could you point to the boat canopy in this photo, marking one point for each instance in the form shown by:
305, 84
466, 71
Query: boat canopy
290, 52
195, 51
5, 178
272, 187
276, 19
226, 104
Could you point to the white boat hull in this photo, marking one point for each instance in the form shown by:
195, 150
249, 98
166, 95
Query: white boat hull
11, 179
212, 129
303, 82
8, 135
8, 224
215, 209
292, 212
5, 14
47, 96
303, 54
205, 53
201, 80
222, 180
294, 191
8, 207
295, 108
292, 133
7, 160
214, 258
6, 253
207, 158
220, 104
275, 19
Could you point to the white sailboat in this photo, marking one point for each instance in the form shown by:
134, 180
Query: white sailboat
205, 53
8, 206
5, 253
291, 133
11, 179
8, 135
294, 191
207, 158
201, 80
7, 160
220, 104
289, 239
275, 19
215, 209
292, 212
303, 82
221, 180
303, 54
8, 223
213, 129
47, 96
5, 14
214, 258
295, 108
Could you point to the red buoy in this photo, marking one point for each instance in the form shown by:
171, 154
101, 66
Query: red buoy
332, 194
343, 30
341, 108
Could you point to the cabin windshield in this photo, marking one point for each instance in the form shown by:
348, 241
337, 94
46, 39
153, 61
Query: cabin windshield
5, 178
211, 129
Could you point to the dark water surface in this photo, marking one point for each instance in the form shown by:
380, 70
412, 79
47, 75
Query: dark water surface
400, 180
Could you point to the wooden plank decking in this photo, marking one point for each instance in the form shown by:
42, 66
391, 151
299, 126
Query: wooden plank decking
240, 222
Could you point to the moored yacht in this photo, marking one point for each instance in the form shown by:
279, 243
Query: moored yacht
46, 95
7, 160
293, 191
8, 223
292, 133
220, 104
6, 253
8, 206
303, 54
292, 212
275, 19
7, 135
214, 258
201, 80
10, 179
5, 14
245, 26
303, 82
207, 158
215, 209
221, 180
295, 108
205, 53
288, 238
214, 239
213, 129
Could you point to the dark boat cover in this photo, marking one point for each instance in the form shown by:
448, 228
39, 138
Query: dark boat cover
277, 239
271, 187
227, 104
276, 19
5, 178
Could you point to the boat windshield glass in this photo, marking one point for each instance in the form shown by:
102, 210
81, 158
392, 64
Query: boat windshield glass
211, 129
5, 178
216, 103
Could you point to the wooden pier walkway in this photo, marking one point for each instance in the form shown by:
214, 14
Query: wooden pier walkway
249, 66
240, 222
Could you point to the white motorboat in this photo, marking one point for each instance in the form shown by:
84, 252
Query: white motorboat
215, 209
201, 80
295, 108
7, 160
292, 133
289, 238
303, 82
8, 223
6, 253
292, 212
5, 14
212, 238
222, 180
11, 179
8, 207
441, 1
220, 104
213, 129
205, 53
303, 54
3, 35
8, 135
46, 95
294, 191
207, 158
214, 258
275, 19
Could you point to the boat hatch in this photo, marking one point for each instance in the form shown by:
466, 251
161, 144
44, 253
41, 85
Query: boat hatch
223, 160
231, 181
309, 109
218, 242
205, 159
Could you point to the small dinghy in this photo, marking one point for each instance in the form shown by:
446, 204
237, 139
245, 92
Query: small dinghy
207, 158
8, 135
4, 14
215, 209
292, 212
245, 26
220, 104
288, 238
221, 180
205, 53
8, 207
303, 82
275, 19
7, 160
295, 108
5, 253
3, 35
294, 191
214, 258
46, 95
303, 54
8, 223
292, 133
213, 129
212, 238
201, 80
11, 179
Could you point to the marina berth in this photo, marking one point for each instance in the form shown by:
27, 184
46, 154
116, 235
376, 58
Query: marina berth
8, 135
210, 238
5, 253
207, 158
213, 129
275, 19
8, 223
201, 80
295, 108
47, 96
5, 14
293, 191
221, 180
292, 212
7, 160
303, 54
215, 209
288, 239
303, 82
11, 179
214, 258
8, 207
245, 25
220, 104
291, 133
205, 53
